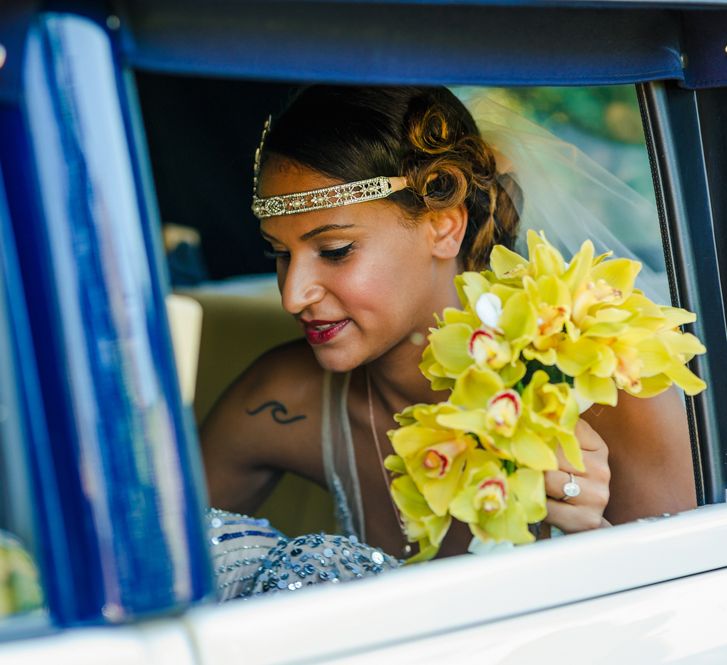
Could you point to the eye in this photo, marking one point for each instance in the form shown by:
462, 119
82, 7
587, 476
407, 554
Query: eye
338, 253
274, 254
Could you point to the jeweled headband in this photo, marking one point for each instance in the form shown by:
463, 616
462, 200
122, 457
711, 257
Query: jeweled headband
318, 199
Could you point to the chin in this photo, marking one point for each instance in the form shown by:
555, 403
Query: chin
337, 360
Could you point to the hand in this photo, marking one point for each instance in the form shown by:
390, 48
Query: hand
584, 511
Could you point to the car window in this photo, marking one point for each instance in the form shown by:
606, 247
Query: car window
214, 251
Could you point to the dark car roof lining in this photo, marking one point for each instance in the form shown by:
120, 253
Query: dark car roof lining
398, 42
401, 41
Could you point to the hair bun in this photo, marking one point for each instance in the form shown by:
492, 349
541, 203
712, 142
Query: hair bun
449, 164
430, 132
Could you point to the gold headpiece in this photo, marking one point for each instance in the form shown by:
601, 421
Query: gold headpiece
317, 199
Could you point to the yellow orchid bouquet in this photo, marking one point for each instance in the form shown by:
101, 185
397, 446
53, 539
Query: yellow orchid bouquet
536, 341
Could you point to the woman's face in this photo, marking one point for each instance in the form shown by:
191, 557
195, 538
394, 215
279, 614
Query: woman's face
358, 279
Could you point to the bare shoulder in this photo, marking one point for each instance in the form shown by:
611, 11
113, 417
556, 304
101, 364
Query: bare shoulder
276, 398
266, 422
285, 381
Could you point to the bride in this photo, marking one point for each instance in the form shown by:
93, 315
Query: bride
373, 199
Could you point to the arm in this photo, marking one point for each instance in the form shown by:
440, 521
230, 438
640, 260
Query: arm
261, 426
649, 456
238, 477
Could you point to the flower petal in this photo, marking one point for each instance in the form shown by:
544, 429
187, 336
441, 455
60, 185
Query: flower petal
528, 486
505, 262
450, 347
683, 343
571, 450
689, 382
597, 389
512, 373
655, 357
653, 385
579, 267
546, 260
676, 317
427, 551
395, 464
576, 357
409, 440
618, 273
489, 309
465, 421
470, 286
475, 387
511, 526
519, 321
531, 451
421, 523
462, 507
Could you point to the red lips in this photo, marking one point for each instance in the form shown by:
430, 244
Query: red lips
320, 332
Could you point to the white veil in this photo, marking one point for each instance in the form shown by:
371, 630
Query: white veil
566, 194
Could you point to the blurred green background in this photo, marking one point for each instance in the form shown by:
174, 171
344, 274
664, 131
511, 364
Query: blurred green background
604, 122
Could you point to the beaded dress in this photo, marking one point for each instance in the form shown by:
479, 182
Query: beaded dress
250, 557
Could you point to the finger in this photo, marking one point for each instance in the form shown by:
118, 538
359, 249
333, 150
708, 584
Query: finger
555, 482
570, 519
565, 465
588, 438
592, 459
591, 443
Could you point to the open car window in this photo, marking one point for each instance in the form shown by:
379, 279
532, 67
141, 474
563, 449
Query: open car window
215, 253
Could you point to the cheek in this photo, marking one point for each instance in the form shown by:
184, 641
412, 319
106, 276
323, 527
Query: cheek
387, 284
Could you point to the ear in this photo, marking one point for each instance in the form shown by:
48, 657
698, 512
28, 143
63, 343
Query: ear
447, 229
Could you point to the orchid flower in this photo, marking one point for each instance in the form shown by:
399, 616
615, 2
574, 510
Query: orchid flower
480, 456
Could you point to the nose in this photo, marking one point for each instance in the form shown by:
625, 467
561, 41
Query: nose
300, 287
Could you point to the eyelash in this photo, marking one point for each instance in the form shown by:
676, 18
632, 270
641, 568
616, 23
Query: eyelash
334, 255
337, 254
272, 254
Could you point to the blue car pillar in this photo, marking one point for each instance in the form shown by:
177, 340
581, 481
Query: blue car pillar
127, 499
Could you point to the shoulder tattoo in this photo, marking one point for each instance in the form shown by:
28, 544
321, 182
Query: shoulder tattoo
277, 411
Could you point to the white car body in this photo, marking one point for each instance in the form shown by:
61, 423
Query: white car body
642, 593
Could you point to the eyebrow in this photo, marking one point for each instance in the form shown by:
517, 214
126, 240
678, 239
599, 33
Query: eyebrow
314, 232
323, 229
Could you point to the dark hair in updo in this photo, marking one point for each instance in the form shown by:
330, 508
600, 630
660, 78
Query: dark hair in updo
423, 133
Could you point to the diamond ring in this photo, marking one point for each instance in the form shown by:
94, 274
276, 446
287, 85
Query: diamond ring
571, 489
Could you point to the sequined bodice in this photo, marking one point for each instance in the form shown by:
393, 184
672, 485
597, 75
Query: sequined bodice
250, 557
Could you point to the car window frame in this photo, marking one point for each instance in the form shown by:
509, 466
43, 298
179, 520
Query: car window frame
675, 156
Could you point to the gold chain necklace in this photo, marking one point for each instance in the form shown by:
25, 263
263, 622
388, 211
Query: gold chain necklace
406, 550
